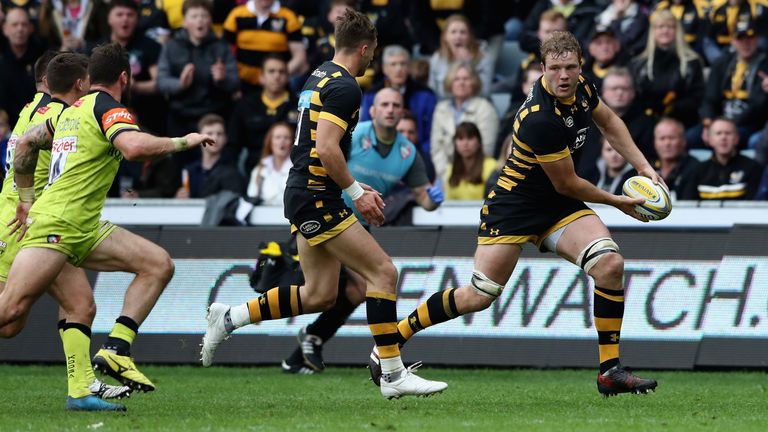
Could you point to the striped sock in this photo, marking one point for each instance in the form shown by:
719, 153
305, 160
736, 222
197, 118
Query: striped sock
608, 311
382, 320
280, 302
440, 307
122, 335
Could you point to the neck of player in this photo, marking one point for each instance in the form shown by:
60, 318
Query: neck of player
113, 90
350, 61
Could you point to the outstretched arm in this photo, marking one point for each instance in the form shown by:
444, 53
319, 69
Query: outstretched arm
141, 146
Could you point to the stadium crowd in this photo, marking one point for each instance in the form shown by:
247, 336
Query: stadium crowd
688, 77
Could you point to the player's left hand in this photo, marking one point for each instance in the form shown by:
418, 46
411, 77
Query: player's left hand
196, 139
653, 175
20, 220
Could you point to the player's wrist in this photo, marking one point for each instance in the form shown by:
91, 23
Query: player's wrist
355, 191
179, 144
26, 194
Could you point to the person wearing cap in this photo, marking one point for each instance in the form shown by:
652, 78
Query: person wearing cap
726, 16
629, 21
669, 75
735, 87
604, 53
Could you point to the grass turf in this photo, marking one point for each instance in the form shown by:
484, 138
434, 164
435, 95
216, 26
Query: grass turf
342, 399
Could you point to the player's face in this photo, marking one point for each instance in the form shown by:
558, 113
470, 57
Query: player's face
668, 141
467, 146
396, 70
367, 57
603, 48
274, 76
197, 23
123, 21
217, 132
461, 88
562, 74
618, 92
723, 137
613, 160
407, 128
387, 109
664, 32
282, 140
457, 35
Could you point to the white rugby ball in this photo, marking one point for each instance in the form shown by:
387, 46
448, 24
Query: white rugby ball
658, 204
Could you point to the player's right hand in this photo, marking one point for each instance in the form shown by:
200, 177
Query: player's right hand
196, 139
370, 206
627, 205
20, 220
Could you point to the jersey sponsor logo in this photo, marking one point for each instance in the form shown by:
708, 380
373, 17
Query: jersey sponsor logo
581, 138
585, 105
43, 109
318, 73
117, 115
366, 143
53, 238
569, 121
278, 25
309, 227
405, 151
78, 102
304, 99
64, 145
3, 244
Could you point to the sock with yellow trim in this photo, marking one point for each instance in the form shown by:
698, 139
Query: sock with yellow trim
381, 309
122, 335
280, 302
440, 307
76, 339
608, 311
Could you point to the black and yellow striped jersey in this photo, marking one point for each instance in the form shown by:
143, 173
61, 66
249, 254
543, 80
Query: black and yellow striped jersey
331, 93
545, 130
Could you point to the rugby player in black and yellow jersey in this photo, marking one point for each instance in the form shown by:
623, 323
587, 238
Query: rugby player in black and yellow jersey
328, 233
540, 199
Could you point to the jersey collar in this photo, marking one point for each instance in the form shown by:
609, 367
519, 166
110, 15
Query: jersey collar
570, 101
341, 66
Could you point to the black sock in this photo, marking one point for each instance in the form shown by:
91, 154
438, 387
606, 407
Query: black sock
326, 325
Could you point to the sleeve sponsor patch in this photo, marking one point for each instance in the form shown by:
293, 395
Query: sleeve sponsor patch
117, 115
43, 109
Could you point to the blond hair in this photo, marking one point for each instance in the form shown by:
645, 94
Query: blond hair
683, 52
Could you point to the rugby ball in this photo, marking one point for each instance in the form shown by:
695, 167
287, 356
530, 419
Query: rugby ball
658, 204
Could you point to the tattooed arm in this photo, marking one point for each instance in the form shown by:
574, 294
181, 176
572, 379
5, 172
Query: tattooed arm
25, 156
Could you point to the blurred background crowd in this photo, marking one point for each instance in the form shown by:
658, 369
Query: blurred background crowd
688, 77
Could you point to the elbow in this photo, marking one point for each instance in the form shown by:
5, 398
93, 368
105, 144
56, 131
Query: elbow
132, 152
563, 188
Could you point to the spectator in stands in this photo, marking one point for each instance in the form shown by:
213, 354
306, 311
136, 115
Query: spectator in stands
725, 15
692, 16
268, 178
674, 164
17, 61
629, 21
464, 105
389, 17
604, 53
580, 15
257, 111
530, 75
470, 169
143, 53
214, 172
261, 27
34, 9
669, 75
549, 22
735, 86
428, 19
728, 175
458, 44
611, 170
71, 18
196, 71
158, 178
419, 100
153, 21
318, 33
408, 128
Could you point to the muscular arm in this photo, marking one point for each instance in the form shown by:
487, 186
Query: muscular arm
328, 150
139, 146
566, 182
25, 157
617, 134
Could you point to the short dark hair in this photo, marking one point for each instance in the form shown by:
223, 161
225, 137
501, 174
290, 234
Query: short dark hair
64, 70
211, 119
192, 4
41, 65
408, 115
559, 44
273, 56
108, 61
353, 29
130, 4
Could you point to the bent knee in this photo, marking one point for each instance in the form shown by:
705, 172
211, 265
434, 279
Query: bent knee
160, 265
609, 268
473, 301
12, 329
387, 274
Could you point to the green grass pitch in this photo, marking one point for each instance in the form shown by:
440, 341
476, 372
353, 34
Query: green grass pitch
342, 399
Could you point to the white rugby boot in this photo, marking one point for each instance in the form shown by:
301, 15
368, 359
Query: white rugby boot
407, 383
216, 332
